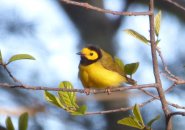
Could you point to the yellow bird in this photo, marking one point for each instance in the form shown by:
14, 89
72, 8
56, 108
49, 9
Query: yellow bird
98, 69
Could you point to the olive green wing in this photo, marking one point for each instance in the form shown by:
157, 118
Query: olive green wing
116, 65
108, 62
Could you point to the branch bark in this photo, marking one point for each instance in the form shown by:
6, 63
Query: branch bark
92, 91
155, 63
88, 6
176, 4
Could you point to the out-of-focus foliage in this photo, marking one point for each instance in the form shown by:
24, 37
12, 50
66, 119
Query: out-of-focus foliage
22, 125
9, 124
157, 23
66, 100
136, 120
142, 38
20, 57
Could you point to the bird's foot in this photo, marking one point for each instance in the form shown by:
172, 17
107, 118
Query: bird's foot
108, 91
87, 91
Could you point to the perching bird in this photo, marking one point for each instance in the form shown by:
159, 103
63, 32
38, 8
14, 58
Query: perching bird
98, 69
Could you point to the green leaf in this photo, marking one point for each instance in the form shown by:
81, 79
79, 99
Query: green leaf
120, 63
52, 99
1, 59
130, 121
137, 35
23, 121
157, 42
131, 68
157, 23
9, 124
20, 57
68, 99
137, 114
149, 124
80, 111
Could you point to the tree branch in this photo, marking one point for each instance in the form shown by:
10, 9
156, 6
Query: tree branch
176, 4
157, 97
10, 74
164, 64
174, 114
119, 109
92, 91
155, 63
88, 6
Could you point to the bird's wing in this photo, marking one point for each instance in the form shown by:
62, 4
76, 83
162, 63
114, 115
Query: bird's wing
109, 63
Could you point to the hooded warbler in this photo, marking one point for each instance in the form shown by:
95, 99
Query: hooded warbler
98, 69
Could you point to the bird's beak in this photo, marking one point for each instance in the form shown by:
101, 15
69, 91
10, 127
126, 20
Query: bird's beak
80, 53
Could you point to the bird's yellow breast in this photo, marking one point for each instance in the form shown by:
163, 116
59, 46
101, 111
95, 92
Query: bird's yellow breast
96, 76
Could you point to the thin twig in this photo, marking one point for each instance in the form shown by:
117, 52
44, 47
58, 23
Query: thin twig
88, 6
177, 113
10, 74
174, 114
93, 91
170, 88
157, 97
119, 109
164, 64
177, 80
176, 4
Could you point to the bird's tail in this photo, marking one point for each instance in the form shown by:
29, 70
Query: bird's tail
131, 81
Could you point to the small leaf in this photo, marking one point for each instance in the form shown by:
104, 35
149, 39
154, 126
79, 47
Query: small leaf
20, 57
137, 114
23, 121
120, 63
9, 124
157, 42
52, 99
131, 68
149, 124
130, 121
80, 111
157, 23
68, 99
137, 35
1, 59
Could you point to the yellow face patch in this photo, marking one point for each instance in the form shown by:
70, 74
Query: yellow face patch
89, 54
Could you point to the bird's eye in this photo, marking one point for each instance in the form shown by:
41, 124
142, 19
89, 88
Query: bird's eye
91, 54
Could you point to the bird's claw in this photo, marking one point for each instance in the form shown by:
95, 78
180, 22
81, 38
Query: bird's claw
87, 91
108, 91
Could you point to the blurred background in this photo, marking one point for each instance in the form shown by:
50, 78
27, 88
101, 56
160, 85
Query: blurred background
53, 32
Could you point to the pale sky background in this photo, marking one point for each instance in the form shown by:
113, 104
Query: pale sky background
58, 37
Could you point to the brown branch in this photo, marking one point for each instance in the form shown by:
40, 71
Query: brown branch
173, 114
164, 64
176, 4
177, 113
176, 80
155, 62
88, 6
170, 88
10, 74
119, 109
93, 91
157, 97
